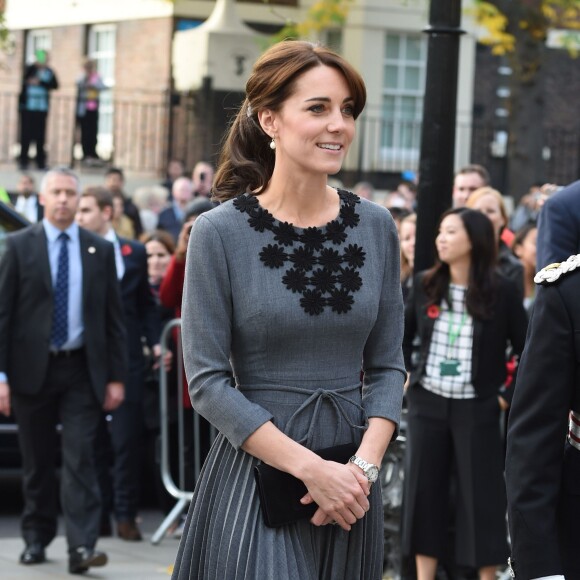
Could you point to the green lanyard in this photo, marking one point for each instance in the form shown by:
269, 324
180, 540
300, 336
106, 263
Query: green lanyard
454, 332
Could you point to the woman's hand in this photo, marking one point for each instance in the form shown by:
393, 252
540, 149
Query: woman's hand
341, 494
503, 404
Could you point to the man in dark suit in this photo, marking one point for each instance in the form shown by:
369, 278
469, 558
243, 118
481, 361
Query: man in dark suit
61, 359
171, 218
543, 444
559, 226
142, 319
25, 199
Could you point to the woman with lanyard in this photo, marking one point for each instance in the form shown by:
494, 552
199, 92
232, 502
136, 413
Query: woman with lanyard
464, 314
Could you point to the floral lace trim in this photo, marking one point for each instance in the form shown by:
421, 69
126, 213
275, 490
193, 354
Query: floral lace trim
324, 276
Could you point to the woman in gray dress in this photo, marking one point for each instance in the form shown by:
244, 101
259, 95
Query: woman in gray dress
291, 290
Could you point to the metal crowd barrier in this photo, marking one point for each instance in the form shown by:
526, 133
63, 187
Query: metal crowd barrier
176, 489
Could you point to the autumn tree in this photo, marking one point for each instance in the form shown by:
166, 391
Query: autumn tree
519, 30
322, 15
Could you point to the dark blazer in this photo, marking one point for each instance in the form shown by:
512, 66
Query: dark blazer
542, 475
168, 222
140, 310
559, 227
39, 208
26, 311
490, 337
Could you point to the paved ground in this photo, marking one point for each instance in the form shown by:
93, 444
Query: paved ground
127, 560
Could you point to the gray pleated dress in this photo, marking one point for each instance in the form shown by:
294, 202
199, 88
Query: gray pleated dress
278, 322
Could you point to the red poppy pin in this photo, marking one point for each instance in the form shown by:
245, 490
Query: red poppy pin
126, 250
433, 311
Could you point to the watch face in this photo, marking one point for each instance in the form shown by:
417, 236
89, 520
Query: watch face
372, 473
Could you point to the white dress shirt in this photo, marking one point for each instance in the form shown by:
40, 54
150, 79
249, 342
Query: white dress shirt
111, 236
28, 207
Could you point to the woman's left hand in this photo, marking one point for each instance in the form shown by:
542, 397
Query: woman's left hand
320, 517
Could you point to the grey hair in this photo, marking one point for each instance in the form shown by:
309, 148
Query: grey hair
60, 170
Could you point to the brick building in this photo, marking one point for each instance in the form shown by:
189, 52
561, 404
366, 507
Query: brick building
145, 120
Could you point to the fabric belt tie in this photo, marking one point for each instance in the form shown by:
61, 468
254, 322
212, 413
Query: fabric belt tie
574, 432
316, 398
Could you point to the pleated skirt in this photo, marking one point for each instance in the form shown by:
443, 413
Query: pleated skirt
225, 537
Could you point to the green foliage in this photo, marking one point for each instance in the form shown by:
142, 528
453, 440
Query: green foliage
322, 15
533, 18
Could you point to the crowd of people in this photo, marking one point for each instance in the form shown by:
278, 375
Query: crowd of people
148, 261
305, 326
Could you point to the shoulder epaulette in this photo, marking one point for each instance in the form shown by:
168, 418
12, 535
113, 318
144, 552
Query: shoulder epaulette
551, 273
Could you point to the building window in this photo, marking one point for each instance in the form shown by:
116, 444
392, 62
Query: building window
403, 89
101, 48
37, 40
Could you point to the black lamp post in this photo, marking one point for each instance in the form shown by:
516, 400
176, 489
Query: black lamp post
438, 129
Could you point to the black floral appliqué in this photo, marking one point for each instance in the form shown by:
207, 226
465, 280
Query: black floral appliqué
323, 280
349, 279
303, 258
349, 197
340, 301
312, 302
295, 280
355, 256
349, 216
313, 237
335, 232
273, 256
330, 259
337, 279
245, 203
261, 220
285, 234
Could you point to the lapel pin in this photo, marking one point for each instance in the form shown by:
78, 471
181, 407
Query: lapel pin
92, 249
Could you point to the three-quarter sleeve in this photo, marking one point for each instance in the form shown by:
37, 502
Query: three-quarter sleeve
207, 334
384, 368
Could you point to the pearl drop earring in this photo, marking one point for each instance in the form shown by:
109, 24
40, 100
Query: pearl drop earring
272, 144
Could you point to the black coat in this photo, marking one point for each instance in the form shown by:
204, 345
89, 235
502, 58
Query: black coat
559, 226
542, 476
490, 337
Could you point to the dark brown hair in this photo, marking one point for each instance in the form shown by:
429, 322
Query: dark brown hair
246, 161
482, 284
161, 236
102, 195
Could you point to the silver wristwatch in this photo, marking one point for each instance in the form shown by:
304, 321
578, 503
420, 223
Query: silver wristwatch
369, 469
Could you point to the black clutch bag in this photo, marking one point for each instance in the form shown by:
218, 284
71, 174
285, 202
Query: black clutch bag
280, 492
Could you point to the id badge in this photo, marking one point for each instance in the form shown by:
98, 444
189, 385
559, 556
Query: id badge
449, 368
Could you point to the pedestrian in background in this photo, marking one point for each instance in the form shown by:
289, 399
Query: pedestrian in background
89, 87
38, 80
120, 488
62, 360
464, 314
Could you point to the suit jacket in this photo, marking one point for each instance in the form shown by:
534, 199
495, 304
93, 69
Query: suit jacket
559, 227
140, 310
26, 311
169, 223
490, 337
539, 472
39, 207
